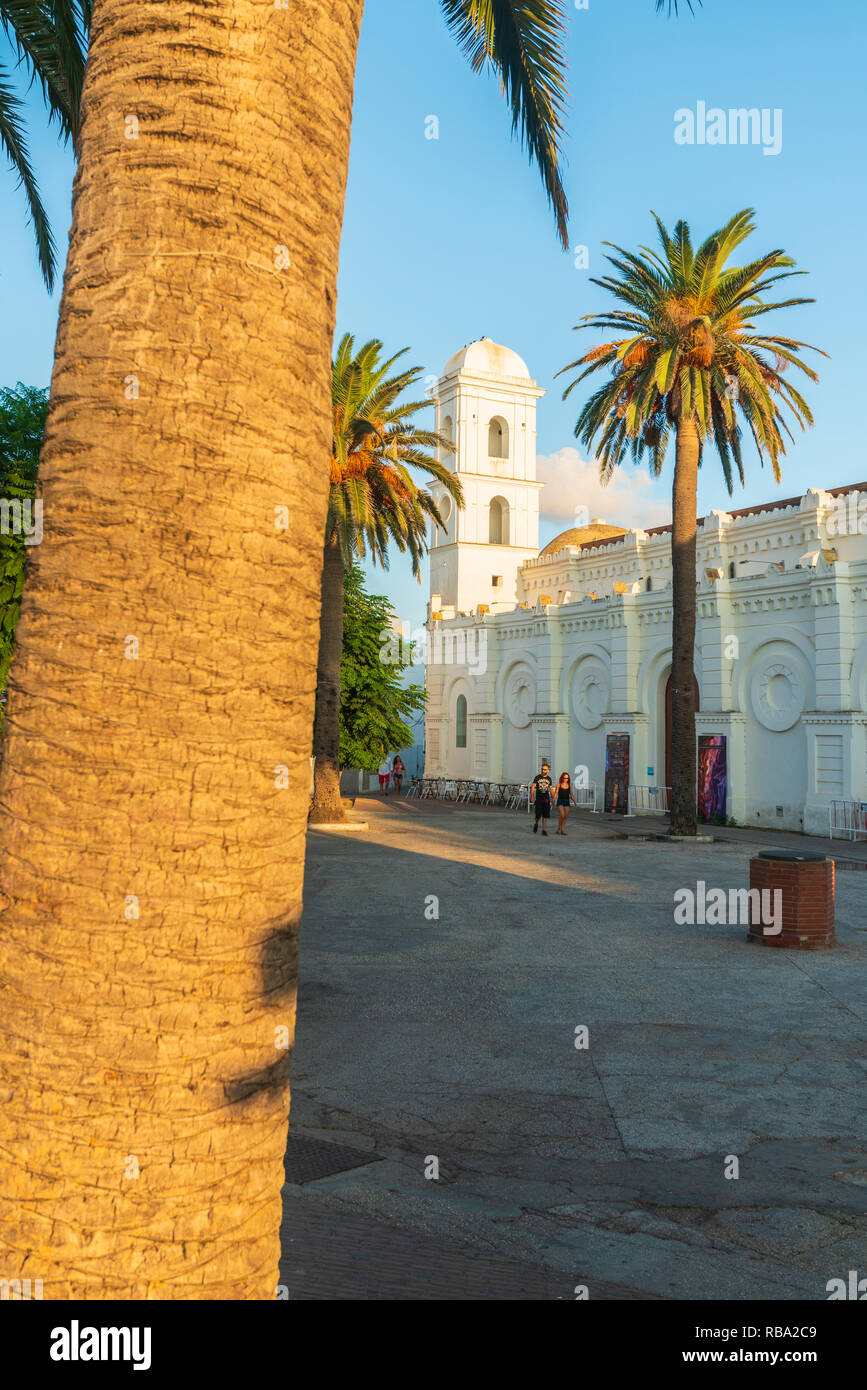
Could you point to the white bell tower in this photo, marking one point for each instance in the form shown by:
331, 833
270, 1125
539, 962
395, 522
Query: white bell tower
486, 403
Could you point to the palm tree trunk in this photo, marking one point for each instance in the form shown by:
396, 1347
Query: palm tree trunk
327, 804
155, 777
683, 539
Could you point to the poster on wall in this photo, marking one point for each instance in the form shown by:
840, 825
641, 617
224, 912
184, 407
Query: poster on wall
617, 773
712, 776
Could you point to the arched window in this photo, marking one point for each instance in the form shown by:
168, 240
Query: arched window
498, 525
447, 430
461, 722
498, 438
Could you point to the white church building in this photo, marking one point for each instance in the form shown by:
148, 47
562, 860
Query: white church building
564, 653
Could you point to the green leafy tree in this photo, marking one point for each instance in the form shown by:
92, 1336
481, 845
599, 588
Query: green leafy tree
22, 421
693, 369
374, 501
376, 708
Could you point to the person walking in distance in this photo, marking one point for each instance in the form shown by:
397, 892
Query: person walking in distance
398, 772
540, 794
565, 797
384, 775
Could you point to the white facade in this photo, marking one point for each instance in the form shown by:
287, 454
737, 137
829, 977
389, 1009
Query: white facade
574, 644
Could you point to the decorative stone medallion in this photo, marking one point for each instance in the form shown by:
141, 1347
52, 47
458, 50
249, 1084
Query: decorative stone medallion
591, 691
520, 698
777, 692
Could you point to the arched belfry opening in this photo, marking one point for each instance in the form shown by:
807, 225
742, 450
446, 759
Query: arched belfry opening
498, 524
498, 438
447, 431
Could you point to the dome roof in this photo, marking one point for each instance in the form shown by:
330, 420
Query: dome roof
582, 535
488, 357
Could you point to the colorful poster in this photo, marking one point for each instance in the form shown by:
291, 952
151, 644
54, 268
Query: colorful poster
617, 773
712, 776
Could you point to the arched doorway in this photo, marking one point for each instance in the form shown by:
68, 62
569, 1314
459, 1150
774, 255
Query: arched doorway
668, 723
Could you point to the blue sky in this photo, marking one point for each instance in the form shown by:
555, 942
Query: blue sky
447, 240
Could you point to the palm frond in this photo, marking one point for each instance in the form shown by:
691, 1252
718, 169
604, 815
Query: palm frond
375, 499
690, 342
13, 142
524, 41
51, 38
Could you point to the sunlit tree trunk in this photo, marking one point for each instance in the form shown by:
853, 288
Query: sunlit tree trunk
327, 805
155, 780
683, 536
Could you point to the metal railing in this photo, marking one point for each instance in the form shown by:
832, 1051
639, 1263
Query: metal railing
586, 797
648, 801
848, 819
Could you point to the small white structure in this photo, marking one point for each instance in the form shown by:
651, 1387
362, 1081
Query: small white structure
566, 653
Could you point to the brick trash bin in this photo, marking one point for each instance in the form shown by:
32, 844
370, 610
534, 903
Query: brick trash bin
806, 882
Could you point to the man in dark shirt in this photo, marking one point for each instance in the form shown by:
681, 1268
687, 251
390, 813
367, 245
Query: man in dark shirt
540, 795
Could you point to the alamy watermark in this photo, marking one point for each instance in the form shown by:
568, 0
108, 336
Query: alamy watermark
20, 1290
77, 1343
739, 907
848, 516
851, 1288
737, 126
19, 518
466, 647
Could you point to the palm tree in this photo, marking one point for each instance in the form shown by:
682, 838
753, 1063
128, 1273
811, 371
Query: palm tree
50, 37
694, 367
154, 779
374, 499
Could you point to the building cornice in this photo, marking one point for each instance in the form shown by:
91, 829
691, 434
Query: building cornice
490, 384
496, 478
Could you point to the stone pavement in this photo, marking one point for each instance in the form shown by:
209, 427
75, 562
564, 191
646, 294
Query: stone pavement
330, 1253
448, 957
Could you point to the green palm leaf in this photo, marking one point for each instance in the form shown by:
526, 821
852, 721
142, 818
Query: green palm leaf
523, 40
692, 352
13, 142
375, 499
50, 37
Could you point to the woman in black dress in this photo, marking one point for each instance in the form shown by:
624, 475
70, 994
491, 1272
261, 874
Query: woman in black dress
565, 797
540, 794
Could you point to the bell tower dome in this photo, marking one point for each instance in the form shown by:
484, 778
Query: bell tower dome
486, 404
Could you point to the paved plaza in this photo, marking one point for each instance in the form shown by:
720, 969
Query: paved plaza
449, 956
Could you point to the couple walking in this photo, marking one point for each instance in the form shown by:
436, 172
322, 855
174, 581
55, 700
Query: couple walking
543, 791
389, 770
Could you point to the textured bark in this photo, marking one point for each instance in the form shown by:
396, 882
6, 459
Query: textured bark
157, 783
327, 805
683, 537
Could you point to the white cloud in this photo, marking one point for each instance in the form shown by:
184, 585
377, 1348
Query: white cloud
632, 498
